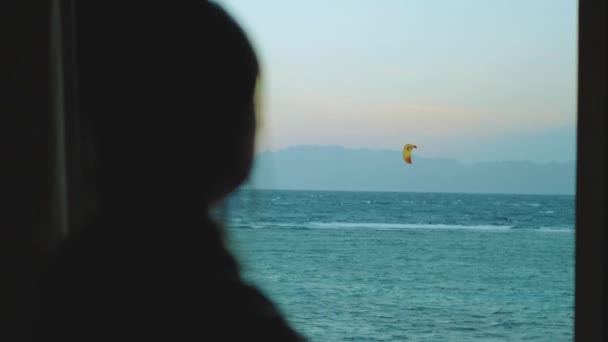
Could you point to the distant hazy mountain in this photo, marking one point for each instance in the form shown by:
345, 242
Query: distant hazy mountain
338, 168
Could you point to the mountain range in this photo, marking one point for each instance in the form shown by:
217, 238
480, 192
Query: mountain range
338, 168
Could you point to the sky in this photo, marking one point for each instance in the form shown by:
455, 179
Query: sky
473, 80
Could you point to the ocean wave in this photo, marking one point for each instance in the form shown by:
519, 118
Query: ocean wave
248, 225
387, 226
367, 225
396, 226
555, 229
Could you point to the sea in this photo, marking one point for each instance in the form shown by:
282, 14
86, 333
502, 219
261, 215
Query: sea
389, 266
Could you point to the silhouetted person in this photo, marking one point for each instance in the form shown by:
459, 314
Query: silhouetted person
168, 90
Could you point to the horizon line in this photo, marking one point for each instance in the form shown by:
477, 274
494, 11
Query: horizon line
251, 188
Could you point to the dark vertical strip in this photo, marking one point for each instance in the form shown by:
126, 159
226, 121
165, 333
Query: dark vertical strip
31, 142
590, 302
56, 70
71, 115
85, 20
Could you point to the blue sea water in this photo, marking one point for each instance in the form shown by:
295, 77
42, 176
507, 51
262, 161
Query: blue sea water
365, 266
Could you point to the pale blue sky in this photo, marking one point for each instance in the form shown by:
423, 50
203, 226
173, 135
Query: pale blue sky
474, 80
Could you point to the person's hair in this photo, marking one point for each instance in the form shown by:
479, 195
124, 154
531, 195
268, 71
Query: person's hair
172, 110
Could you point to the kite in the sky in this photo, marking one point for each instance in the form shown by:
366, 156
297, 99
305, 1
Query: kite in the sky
407, 152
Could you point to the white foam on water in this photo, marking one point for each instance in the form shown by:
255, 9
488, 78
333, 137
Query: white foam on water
555, 230
395, 226
256, 225
386, 226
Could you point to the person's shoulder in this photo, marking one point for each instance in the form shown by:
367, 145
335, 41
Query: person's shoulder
179, 296
162, 288
236, 310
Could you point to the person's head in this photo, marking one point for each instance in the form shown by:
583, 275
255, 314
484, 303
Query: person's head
173, 111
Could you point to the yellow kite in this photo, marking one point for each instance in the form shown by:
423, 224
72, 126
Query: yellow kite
407, 152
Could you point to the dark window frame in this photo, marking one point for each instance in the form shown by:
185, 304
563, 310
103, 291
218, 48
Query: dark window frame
591, 270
